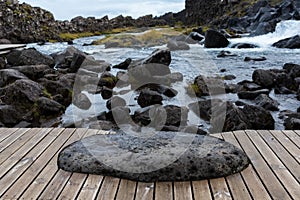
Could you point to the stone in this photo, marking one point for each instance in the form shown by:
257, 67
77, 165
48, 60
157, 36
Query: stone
209, 85
115, 101
106, 93
290, 43
2, 63
102, 125
33, 72
123, 65
148, 97
251, 95
48, 107
267, 102
215, 39
174, 45
244, 46
204, 108
8, 76
159, 56
29, 57
292, 123
224, 54
293, 70
197, 36
264, 78
9, 116
259, 118
82, 101
4, 41
247, 59
159, 156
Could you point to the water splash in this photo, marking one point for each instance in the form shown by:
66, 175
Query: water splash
284, 29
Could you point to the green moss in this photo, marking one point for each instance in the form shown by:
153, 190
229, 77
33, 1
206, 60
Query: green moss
47, 94
193, 89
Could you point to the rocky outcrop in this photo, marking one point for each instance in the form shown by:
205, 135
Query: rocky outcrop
289, 43
21, 23
160, 157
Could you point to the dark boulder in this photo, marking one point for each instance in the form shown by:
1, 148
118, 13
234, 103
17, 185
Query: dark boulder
123, 65
82, 101
247, 59
148, 97
290, 43
215, 39
8, 76
160, 56
9, 116
48, 107
209, 86
267, 102
29, 57
224, 54
34, 72
106, 92
205, 108
292, 122
119, 115
196, 36
259, 118
251, 95
161, 89
115, 101
244, 46
265, 78
22, 93
5, 41
174, 45
2, 63
149, 158
293, 70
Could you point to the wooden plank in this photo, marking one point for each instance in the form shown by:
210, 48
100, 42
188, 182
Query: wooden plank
219, 189
287, 144
12, 154
283, 174
237, 187
144, 191
294, 137
297, 132
271, 182
201, 190
109, 188
163, 191
90, 187
73, 186
6, 132
60, 179
288, 160
22, 164
4, 47
126, 190
183, 191
251, 179
16, 136
49, 158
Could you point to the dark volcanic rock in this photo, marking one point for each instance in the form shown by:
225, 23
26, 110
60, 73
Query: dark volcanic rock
290, 43
292, 123
215, 39
174, 45
244, 46
252, 94
160, 56
82, 101
115, 101
162, 157
247, 59
124, 65
8, 76
267, 102
259, 118
148, 97
34, 72
209, 86
48, 107
9, 116
29, 57
224, 54
264, 78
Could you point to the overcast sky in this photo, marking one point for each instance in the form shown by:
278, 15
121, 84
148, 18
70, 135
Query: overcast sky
67, 9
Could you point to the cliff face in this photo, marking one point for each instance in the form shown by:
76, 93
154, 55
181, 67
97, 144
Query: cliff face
23, 23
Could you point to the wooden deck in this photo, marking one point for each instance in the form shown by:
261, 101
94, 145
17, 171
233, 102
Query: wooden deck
28, 170
6, 48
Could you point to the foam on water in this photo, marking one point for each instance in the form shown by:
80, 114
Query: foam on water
284, 29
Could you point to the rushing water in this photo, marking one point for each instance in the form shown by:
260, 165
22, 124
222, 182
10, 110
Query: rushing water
199, 60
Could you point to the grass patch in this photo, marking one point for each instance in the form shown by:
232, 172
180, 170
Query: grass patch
72, 36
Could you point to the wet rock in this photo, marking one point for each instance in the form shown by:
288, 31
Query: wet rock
259, 118
293, 70
177, 45
108, 80
34, 72
106, 93
209, 85
161, 89
292, 123
252, 94
29, 57
124, 65
2, 63
82, 101
244, 46
119, 115
23, 124
115, 101
247, 59
205, 108
160, 56
5, 41
264, 78
267, 102
215, 39
8, 76
250, 86
126, 156
9, 116
290, 43
148, 97
224, 54
229, 77
197, 36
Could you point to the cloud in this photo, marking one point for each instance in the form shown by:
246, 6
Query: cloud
99, 8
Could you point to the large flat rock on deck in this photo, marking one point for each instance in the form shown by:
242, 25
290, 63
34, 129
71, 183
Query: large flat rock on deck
155, 156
